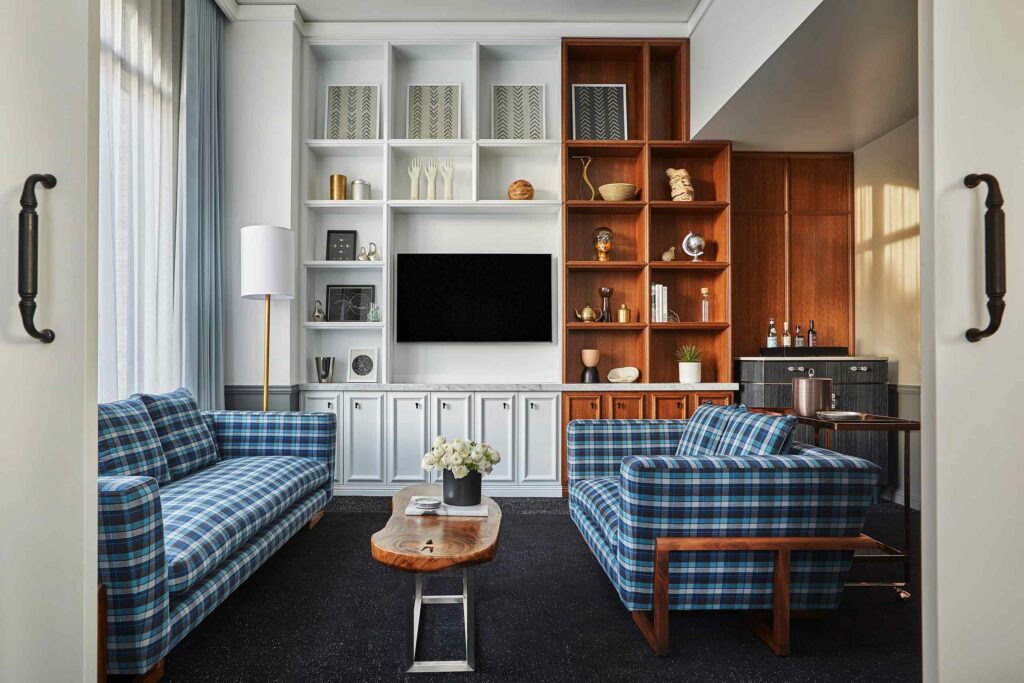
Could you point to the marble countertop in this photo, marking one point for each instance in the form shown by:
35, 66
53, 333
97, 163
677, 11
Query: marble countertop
791, 359
603, 386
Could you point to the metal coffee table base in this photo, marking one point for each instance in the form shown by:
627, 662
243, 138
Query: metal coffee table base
466, 599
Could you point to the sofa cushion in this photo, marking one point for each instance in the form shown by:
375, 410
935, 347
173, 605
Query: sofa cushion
748, 433
186, 439
704, 430
210, 513
128, 443
598, 499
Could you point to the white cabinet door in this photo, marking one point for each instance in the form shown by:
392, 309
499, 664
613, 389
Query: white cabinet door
363, 437
495, 424
537, 443
408, 436
451, 415
320, 402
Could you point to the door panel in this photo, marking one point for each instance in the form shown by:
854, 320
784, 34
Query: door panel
582, 407
538, 437
451, 416
669, 406
621, 406
495, 425
408, 437
363, 437
819, 276
718, 398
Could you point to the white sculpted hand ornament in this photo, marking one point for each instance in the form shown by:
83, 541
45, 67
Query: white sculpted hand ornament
448, 171
431, 172
414, 179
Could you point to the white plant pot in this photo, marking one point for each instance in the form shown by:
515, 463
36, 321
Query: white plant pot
689, 373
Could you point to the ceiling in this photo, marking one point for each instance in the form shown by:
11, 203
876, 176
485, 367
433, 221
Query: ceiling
846, 76
620, 11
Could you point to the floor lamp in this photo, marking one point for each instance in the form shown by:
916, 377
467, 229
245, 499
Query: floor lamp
268, 273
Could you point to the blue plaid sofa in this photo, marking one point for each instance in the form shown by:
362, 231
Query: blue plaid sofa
634, 481
190, 505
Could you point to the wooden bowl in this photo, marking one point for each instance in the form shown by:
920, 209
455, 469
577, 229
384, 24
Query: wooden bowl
617, 192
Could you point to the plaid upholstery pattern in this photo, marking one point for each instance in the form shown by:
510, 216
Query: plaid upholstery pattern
595, 447
128, 443
599, 545
187, 442
600, 499
132, 566
192, 606
309, 435
704, 429
748, 433
214, 511
141, 525
808, 492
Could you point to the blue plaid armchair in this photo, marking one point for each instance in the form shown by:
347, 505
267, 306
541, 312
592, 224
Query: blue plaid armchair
716, 524
190, 505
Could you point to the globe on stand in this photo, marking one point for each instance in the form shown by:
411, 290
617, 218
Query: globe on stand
693, 245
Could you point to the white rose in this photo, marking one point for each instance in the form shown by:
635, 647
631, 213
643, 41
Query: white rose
460, 471
446, 460
488, 468
428, 461
438, 441
438, 452
457, 444
495, 457
480, 448
458, 459
476, 455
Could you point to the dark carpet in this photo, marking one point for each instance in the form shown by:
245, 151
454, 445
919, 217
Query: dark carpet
321, 609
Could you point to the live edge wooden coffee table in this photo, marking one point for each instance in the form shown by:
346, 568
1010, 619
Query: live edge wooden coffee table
427, 544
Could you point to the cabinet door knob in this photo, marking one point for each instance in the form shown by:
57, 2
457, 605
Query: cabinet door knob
707, 401
853, 368
791, 368
800, 368
356, 405
864, 368
533, 406
417, 405
594, 406
504, 405
444, 406
330, 406
679, 404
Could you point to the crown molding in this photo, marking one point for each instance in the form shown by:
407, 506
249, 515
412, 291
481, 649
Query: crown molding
229, 8
488, 32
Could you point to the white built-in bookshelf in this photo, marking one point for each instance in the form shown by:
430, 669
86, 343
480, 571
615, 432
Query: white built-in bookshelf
479, 219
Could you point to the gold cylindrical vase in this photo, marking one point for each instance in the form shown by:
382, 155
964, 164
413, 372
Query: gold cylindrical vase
339, 187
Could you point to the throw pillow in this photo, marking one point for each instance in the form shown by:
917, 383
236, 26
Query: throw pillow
187, 441
128, 443
704, 430
750, 433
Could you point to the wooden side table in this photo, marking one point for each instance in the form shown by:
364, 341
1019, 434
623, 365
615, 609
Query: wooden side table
877, 423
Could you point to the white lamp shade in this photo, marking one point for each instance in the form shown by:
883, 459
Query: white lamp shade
268, 262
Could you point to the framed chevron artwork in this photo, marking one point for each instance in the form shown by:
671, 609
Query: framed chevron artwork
434, 112
517, 112
352, 112
599, 111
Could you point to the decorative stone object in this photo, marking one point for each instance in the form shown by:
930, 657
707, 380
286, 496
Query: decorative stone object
669, 254
520, 189
679, 184
319, 315
626, 375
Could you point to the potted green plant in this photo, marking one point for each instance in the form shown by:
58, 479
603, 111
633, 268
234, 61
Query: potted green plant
688, 358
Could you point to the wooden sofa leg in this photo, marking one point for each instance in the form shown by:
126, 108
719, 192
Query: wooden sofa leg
315, 519
776, 636
151, 676
655, 631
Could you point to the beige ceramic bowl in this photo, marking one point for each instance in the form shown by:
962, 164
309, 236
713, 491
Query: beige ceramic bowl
617, 192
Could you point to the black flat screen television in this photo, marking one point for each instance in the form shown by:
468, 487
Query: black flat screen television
474, 297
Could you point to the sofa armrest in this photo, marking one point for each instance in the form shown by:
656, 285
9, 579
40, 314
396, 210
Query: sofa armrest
595, 448
133, 569
247, 433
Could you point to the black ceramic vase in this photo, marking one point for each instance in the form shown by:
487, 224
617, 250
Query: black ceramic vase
462, 492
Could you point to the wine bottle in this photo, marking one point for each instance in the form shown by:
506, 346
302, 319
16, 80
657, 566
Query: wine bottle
799, 340
787, 341
812, 335
773, 335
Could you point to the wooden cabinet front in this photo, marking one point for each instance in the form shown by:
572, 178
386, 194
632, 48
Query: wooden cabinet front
718, 398
622, 406
669, 406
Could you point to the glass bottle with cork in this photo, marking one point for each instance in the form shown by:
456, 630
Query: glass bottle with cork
773, 334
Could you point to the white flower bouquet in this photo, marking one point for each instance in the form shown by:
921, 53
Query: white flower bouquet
460, 456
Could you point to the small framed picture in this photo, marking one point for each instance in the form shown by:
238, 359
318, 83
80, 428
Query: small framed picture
362, 365
341, 245
599, 111
352, 112
349, 303
434, 112
517, 112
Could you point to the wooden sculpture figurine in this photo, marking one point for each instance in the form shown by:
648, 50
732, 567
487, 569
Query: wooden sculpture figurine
679, 184
586, 179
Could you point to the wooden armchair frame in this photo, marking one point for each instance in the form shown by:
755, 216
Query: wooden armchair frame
775, 635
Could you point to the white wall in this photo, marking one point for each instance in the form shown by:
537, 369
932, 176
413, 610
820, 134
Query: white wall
261, 179
733, 39
49, 73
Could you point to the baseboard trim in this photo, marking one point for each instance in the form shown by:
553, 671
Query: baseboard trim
497, 491
896, 496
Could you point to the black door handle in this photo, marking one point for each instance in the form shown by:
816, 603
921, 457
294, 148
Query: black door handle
995, 254
28, 254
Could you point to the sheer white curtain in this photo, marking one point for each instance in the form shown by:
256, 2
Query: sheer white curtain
140, 318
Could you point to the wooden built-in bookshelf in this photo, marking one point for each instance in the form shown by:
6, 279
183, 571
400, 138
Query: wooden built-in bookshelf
656, 75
